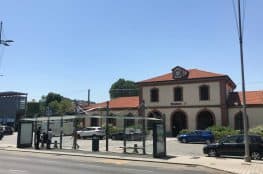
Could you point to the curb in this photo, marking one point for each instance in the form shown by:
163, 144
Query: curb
112, 157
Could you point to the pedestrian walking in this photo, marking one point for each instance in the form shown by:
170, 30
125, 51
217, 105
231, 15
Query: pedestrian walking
49, 138
38, 137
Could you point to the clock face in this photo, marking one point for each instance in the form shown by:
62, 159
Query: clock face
178, 73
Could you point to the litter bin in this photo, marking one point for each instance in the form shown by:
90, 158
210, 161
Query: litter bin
95, 143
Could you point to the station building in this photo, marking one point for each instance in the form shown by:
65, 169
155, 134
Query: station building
188, 99
197, 99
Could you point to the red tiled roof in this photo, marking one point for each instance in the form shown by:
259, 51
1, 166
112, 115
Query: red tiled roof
252, 97
193, 74
118, 103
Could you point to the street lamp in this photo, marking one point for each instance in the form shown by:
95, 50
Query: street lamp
247, 156
4, 42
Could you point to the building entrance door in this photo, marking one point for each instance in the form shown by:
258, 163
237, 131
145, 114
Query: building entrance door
204, 120
179, 122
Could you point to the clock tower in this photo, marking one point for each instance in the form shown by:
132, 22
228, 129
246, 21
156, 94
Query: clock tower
179, 72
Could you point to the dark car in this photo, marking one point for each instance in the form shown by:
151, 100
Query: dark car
197, 136
1, 134
7, 130
129, 137
117, 136
234, 146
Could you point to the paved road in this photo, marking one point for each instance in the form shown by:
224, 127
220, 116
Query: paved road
29, 163
173, 146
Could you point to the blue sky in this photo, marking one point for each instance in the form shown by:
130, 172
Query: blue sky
70, 46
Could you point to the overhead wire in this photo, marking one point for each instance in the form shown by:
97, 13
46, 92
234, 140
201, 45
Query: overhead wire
243, 17
2, 48
235, 15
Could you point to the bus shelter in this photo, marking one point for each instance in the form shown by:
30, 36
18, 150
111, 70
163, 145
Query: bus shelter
65, 129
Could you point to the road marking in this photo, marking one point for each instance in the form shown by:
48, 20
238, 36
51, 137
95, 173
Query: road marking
138, 170
17, 171
113, 161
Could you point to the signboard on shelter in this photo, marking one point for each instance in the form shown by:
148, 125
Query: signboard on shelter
159, 149
25, 134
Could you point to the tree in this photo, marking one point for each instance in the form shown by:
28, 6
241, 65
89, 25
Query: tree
55, 107
67, 107
32, 109
53, 97
123, 88
58, 104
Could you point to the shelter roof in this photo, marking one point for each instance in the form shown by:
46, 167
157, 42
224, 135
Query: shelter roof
11, 93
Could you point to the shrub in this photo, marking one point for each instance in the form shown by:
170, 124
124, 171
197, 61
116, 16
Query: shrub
257, 130
222, 131
113, 129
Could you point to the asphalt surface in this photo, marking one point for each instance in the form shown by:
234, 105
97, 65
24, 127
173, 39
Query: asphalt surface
29, 163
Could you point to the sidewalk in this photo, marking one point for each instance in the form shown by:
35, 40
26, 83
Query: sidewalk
225, 164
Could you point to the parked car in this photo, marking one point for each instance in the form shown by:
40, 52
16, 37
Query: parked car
234, 146
129, 137
7, 130
131, 134
1, 134
197, 136
117, 136
91, 132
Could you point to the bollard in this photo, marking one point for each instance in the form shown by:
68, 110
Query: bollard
56, 144
135, 148
95, 143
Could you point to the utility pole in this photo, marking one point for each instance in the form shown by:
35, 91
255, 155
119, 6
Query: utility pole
1, 26
142, 114
3, 42
88, 97
107, 126
247, 156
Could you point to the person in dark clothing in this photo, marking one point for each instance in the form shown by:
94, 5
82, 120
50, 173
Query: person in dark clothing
43, 139
38, 134
49, 138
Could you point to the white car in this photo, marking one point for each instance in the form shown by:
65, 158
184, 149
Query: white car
91, 132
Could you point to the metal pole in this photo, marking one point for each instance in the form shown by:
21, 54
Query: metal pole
247, 157
48, 118
164, 127
107, 127
35, 130
75, 134
124, 138
143, 126
61, 132
1, 25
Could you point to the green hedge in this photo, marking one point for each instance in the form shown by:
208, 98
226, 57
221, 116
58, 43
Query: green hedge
184, 131
113, 129
257, 130
222, 131
218, 131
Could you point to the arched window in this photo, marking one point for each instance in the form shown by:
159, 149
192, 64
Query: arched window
204, 92
205, 119
154, 95
94, 122
178, 94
